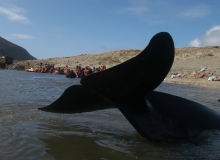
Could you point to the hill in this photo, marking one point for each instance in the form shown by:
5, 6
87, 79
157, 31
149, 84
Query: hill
188, 62
13, 50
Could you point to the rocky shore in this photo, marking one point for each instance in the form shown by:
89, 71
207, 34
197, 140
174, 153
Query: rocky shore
192, 65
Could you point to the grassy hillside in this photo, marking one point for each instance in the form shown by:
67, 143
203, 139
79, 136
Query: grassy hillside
13, 50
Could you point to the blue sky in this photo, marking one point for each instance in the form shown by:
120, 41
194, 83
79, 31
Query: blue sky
61, 28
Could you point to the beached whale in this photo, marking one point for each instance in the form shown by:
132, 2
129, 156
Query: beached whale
129, 87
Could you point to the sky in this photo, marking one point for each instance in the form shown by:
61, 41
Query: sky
63, 28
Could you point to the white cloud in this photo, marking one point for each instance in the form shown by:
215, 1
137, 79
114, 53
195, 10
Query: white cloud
211, 38
22, 36
137, 7
137, 10
14, 13
198, 11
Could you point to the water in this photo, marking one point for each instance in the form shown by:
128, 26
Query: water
27, 133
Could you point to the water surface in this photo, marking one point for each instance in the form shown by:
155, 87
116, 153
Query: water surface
27, 133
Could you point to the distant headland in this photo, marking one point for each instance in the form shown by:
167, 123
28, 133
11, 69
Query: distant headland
13, 50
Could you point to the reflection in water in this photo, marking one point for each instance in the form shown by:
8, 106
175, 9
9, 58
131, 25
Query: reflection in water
77, 147
27, 133
98, 145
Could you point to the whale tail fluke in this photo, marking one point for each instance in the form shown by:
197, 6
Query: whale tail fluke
138, 75
133, 78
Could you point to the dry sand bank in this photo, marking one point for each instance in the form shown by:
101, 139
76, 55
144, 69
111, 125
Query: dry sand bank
191, 60
188, 62
195, 82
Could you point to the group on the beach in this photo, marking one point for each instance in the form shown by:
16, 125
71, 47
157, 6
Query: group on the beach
49, 68
80, 72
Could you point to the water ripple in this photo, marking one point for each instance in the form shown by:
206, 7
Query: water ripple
27, 133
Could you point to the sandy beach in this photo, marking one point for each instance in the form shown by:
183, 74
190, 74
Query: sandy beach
189, 64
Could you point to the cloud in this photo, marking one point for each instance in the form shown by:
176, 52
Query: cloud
22, 36
14, 13
136, 10
137, 7
211, 38
198, 11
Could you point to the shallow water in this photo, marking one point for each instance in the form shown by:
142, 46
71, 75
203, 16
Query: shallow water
27, 133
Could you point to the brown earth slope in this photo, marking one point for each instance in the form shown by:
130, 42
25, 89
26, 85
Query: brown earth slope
188, 62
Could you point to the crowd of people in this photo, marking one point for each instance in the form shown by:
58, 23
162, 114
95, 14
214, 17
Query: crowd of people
80, 72
49, 68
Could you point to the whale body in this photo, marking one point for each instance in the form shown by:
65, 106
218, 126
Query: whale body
130, 87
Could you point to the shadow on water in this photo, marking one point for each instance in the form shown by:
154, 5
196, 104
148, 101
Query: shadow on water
94, 135
77, 147
87, 145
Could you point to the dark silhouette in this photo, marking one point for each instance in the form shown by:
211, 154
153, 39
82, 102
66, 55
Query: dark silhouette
71, 74
129, 87
14, 51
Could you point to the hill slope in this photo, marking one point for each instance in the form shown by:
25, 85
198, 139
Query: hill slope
13, 50
188, 62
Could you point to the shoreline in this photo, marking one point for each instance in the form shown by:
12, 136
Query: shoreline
195, 82
192, 82
190, 63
